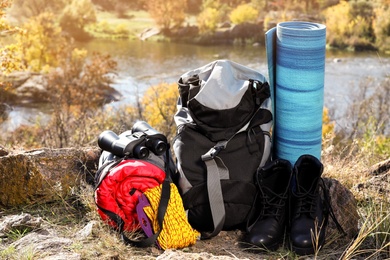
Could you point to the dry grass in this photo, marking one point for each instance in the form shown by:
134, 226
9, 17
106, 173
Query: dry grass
71, 214
351, 165
348, 161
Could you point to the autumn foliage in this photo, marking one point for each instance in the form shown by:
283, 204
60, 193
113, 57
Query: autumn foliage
167, 14
159, 106
77, 80
358, 24
244, 13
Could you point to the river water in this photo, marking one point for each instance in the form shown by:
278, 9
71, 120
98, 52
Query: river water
142, 64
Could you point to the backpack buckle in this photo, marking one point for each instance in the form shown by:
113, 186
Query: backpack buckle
214, 151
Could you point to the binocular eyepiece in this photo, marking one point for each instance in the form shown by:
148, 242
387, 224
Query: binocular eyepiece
135, 143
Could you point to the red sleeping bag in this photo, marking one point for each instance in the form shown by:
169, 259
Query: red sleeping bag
118, 192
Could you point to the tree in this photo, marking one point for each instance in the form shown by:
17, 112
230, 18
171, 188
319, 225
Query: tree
349, 24
75, 90
381, 26
42, 43
244, 13
4, 4
338, 23
76, 16
261, 5
10, 58
327, 3
208, 20
234, 3
31, 8
194, 6
111, 5
159, 106
213, 13
167, 13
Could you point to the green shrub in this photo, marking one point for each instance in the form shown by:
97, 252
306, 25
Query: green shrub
121, 31
167, 13
244, 13
208, 20
381, 27
76, 16
338, 24
349, 24
101, 27
42, 45
106, 30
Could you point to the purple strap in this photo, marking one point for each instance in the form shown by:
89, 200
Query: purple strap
143, 218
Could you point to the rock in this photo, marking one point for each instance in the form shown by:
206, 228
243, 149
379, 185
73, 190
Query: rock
30, 176
345, 208
185, 32
45, 246
226, 33
29, 87
5, 109
33, 89
19, 222
63, 256
17, 78
380, 168
45, 174
245, 31
86, 231
3, 151
179, 255
149, 32
378, 186
42, 243
225, 25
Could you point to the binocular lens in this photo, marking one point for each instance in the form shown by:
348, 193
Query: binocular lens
160, 147
138, 143
106, 139
141, 152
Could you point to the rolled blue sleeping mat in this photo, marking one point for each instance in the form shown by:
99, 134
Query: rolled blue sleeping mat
296, 67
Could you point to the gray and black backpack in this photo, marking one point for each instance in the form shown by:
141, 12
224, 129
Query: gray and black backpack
224, 122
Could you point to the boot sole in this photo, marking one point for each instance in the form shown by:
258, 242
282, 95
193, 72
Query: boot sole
272, 247
255, 247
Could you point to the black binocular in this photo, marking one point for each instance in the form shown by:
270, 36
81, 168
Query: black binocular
135, 143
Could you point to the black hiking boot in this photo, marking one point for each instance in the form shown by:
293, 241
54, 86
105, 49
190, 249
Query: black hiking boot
308, 214
273, 182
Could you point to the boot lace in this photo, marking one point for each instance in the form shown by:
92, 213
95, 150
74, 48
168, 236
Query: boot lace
329, 208
306, 204
272, 206
306, 201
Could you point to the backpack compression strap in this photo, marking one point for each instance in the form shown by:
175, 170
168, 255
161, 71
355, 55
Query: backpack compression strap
216, 171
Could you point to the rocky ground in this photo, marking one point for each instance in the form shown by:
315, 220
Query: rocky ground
47, 212
45, 241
